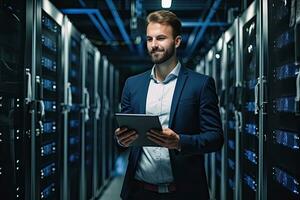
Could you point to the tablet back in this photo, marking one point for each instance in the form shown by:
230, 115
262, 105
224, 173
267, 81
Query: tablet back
142, 123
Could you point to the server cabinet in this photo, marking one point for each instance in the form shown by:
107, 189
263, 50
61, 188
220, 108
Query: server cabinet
100, 126
217, 66
105, 119
117, 108
96, 114
110, 145
216, 178
230, 57
73, 102
89, 56
247, 116
279, 106
16, 70
49, 92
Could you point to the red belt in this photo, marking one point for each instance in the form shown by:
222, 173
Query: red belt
159, 188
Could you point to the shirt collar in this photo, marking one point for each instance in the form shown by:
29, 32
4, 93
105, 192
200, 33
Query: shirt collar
171, 76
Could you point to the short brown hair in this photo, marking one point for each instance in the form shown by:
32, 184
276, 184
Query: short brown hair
166, 17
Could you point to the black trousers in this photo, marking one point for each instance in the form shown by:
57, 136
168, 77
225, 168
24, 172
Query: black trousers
142, 194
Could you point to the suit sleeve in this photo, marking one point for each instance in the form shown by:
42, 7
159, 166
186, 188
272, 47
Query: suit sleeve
210, 138
125, 107
125, 99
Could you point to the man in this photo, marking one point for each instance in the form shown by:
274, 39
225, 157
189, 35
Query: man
187, 105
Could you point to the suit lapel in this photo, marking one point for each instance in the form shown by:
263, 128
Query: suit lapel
182, 76
144, 91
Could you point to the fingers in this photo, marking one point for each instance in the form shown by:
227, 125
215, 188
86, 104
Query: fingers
157, 141
125, 136
166, 138
158, 133
165, 133
120, 130
123, 133
168, 143
157, 138
126, 142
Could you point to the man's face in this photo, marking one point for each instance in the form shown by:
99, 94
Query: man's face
160, 42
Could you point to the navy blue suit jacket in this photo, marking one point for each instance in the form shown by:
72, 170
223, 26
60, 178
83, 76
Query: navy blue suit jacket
194, 116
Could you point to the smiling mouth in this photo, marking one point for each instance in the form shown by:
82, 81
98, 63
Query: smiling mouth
155, 52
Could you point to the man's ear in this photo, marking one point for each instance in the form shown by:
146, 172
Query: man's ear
177, 41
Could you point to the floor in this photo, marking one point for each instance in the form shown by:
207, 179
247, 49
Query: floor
113, 190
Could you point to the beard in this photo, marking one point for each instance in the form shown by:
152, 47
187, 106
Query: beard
160, 55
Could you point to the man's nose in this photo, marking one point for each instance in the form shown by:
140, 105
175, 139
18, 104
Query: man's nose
154, 43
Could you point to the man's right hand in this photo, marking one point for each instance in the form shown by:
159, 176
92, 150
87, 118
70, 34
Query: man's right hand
125, 137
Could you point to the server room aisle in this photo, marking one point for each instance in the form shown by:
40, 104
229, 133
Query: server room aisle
112, 192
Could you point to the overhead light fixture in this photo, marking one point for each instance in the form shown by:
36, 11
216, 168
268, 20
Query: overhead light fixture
166, 3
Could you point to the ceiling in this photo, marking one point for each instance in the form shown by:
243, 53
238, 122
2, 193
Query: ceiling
117, 27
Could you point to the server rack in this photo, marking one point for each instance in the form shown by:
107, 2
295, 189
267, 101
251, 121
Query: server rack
44, 104
217, 66
49, 92
105, 117
213, 161
117, 108
100, 127
279, 108
230, 64
89, 60
73, 102
216, 178
247, 121
110, 147
96, 114
16, 98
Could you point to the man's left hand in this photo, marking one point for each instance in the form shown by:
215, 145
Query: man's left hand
165, 138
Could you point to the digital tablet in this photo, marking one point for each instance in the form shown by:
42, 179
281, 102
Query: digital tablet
141, 123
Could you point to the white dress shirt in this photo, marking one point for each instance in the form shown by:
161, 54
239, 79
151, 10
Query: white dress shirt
154, 165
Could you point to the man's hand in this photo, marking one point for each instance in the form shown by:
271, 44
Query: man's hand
125, 137
166, 138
